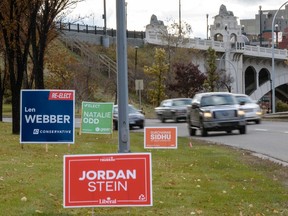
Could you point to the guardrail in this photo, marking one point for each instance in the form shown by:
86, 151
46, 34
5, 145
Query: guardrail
97, 30
278, 115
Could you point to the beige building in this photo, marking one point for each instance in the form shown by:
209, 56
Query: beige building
262, 23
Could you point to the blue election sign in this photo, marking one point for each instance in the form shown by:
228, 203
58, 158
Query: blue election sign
47, 116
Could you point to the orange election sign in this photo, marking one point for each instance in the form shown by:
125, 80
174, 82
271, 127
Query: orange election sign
160, 137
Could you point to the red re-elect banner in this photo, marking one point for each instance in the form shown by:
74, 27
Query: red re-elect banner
107, 180
60, 95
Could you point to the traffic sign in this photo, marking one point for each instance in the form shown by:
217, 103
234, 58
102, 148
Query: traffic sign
139, 85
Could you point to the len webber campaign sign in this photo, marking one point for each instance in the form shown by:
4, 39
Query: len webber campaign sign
47, 116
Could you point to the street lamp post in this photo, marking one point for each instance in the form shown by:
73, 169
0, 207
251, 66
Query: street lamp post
235, 71
180, 27
207, 15
260, 19
276, 30
105, 19
273, 59
271, 98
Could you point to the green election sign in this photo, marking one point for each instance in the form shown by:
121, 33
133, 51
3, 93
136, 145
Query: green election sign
97, 118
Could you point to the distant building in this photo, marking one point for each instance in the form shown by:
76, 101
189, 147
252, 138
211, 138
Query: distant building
261, 27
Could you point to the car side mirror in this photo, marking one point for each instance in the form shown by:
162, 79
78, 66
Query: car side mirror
195, 105
242, 103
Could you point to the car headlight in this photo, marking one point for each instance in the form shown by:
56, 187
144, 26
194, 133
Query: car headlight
207, 115
258, 111
241, 112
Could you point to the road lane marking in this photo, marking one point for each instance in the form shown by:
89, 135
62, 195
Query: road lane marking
259, 129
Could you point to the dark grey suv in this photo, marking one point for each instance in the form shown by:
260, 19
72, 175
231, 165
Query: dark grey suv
175, 109
215, 111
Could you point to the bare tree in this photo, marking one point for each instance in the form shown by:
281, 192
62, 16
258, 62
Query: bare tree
15, 27
24, 23
44, 32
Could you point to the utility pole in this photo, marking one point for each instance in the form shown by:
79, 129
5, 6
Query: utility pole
122, 81
105, 20
207, 15
260, 18
180, 27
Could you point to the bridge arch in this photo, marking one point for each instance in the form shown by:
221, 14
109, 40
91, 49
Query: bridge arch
218, 37
250, 80
280, 81
263, 76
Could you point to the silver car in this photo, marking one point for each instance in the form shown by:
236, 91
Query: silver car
252, 110
175, 109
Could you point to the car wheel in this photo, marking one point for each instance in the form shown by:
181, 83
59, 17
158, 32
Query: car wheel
229, 131
258, 121
175, 118
192, 131
203, 130
115, 125
162, 119
242, 130
141, 126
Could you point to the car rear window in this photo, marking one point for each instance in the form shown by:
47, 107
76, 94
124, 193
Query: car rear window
181, 102
244, 99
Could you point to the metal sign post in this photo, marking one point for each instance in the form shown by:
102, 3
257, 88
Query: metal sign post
138, 87
122, 85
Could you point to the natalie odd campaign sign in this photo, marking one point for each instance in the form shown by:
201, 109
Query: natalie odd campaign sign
97, 118
47, 116
160, 137
107, 180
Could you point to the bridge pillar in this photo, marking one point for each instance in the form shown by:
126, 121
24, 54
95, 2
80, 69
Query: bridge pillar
226, 29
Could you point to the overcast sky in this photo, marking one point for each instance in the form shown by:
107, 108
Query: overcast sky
192, 11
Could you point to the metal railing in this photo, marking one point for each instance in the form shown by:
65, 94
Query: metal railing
96, 30
92, 57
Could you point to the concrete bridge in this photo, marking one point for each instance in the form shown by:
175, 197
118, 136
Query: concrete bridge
250, 66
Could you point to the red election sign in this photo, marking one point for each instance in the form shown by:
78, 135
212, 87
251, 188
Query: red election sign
107, 180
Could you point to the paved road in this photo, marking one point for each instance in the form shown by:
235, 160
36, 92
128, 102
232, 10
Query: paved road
267, 139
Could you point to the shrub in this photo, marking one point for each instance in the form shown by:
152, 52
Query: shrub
281, 106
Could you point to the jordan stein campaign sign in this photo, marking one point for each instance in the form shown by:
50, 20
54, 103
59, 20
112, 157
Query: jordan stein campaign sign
47, 116
107, 180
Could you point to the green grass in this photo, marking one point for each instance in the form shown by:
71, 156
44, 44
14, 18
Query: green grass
203, 180
7, 110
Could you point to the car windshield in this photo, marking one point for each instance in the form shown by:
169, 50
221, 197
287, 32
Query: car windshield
216, 100
181, 102
244, 99
131, 109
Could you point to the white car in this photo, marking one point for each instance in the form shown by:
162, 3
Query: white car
252, 110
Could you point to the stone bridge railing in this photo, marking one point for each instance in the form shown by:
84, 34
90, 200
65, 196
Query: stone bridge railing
218, 46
